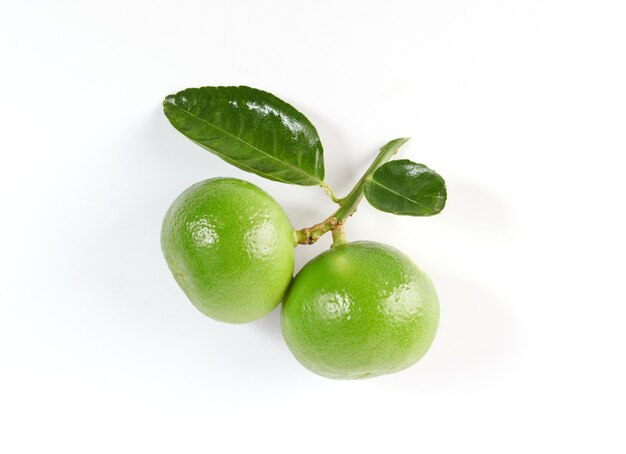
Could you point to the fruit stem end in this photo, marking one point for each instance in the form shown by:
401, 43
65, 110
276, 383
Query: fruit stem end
339, 236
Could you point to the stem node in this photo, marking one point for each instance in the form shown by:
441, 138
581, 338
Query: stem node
347, 204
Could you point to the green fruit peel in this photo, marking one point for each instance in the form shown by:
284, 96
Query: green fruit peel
359, 310
230, 247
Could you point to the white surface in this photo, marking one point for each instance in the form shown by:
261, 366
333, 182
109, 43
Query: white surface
519, 105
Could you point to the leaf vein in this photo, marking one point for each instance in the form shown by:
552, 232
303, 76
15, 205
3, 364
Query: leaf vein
403, 196
300, 171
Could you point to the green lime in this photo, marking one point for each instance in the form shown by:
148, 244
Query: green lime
359, 310
230, 247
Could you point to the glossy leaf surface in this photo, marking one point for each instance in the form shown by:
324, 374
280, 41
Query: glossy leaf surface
407, 188
251, 129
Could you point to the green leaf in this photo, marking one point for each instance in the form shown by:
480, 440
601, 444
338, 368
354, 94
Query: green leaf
406, 188
251, 129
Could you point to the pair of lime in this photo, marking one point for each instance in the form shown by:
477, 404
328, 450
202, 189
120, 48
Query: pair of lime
358, 310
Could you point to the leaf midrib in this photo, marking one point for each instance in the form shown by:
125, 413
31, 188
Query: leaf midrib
298, 170
402, 196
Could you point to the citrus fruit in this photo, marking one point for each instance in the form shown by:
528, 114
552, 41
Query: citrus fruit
359, 310
230, 247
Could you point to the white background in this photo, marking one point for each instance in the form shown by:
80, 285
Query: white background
520, 105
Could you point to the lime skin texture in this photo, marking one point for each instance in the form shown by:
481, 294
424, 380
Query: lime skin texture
230, 247
360, 310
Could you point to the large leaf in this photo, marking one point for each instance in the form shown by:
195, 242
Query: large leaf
404, 187
251, 129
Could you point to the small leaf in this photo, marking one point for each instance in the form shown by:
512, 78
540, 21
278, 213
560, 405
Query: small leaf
251, 129
406, 188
